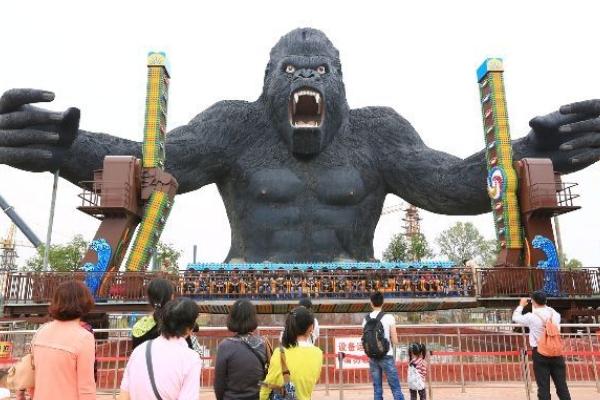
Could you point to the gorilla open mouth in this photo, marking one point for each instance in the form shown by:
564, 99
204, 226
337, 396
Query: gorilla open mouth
306, 108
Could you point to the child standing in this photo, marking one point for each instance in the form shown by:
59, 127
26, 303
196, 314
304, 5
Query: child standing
417, 371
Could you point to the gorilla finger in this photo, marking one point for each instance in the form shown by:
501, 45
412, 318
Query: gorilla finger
587, 157
29, 117
10, 155
589, 125
582, 107
553, 121
14, 98
14, 138
591, 139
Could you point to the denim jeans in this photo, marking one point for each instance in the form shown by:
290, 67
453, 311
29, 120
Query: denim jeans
387, 365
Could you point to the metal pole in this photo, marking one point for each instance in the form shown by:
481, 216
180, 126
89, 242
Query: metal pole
462, 367
558, 240
523, 357
327, 362
429, 366
14, 217
50, 220
594, 368
528, 383
341, 375
194, 253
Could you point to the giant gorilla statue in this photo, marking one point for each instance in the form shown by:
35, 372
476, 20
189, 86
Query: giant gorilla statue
303, 177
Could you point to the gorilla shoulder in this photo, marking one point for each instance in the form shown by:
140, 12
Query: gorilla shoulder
383, 125
227, 112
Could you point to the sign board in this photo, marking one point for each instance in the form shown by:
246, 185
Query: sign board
5, 350
351, 346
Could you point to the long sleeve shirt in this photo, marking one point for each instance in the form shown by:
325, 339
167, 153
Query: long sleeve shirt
535, 321
238, 370
421, 366
64, 355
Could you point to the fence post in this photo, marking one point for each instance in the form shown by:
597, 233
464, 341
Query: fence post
341, 375
460, 360
525, 369
116, 372
594, 368
528, 384
327, 362
429, 366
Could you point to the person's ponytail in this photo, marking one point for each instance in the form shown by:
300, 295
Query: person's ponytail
297, 323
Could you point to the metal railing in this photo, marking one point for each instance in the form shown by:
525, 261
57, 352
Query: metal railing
552, 194
514, 282
460, 355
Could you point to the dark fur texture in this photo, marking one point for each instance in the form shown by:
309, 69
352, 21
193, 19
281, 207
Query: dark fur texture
314, 195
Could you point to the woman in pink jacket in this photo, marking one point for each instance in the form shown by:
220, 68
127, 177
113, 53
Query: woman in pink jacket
63, 351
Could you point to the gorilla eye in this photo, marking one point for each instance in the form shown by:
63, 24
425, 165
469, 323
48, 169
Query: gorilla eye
321, 69
290, 69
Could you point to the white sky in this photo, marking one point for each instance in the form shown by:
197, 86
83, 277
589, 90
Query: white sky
419, 59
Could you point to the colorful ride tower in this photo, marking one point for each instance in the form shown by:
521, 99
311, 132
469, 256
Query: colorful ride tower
128, 190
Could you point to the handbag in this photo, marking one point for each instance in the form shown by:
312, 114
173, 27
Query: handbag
151, 369
288, 390
414, 379
21, 376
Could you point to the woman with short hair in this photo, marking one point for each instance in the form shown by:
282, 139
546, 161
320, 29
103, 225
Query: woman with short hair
165, 368
63, 351
241, 359
302, 359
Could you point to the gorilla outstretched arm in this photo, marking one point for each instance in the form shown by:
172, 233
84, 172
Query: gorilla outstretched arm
35, 139
198, 153
445, 184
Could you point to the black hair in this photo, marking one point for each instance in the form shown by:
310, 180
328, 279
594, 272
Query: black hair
539, 296
297, 323
377, 299
242, 317
178, 316
160, 292
417, 349
305, 302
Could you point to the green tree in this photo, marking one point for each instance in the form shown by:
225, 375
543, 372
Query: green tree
419, 248
462, 241
569, 263
61, 257
167, 257
397, 249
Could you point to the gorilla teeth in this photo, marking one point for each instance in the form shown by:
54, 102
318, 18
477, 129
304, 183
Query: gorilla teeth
306, 108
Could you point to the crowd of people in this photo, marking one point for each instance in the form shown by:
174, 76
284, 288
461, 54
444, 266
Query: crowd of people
165, 364
411, 282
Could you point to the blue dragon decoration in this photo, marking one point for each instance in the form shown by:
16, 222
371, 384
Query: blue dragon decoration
550, 265
95, 272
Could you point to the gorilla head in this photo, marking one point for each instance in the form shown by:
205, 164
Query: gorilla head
304, 91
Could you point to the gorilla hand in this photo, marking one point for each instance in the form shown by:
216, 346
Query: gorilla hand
32, 138
570, 137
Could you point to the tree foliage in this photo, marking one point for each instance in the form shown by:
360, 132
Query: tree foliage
462, 242
397, 249
61, 257
168, 257
569, 263
419, 248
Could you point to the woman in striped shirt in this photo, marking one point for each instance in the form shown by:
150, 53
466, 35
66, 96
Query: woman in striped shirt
416, 354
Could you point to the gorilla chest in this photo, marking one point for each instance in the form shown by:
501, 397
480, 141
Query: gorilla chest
337, 186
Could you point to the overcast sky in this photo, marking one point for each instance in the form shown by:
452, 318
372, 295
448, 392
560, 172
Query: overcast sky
419, 59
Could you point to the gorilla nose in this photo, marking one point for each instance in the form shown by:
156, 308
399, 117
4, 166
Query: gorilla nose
305, 73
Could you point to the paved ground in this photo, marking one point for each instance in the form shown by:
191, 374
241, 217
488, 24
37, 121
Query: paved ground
489, 393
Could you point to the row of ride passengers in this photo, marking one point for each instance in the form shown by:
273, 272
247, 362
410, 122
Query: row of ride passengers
452, 281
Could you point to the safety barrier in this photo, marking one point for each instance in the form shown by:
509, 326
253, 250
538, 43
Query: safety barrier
462, 355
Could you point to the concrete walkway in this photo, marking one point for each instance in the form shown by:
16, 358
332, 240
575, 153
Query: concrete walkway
439, 393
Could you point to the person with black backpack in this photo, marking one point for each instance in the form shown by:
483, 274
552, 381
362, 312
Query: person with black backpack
378, 339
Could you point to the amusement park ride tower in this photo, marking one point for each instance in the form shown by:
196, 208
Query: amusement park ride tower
525, 194
128, 191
